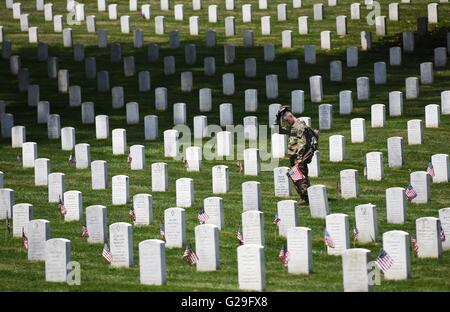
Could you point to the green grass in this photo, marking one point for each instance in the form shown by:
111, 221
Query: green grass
18, 274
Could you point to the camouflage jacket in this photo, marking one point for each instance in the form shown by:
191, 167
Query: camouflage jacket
299, 141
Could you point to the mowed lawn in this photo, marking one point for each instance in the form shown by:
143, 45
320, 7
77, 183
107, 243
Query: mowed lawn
19, 274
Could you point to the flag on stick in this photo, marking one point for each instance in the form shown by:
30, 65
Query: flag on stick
296, 174
239, 236
189, 255
106, 253
327, 239
202, 216
384, 260
162, 233
410, 192
414, 244
283, 256
25, 240
276, 220
85, 232
430, 169
62, 209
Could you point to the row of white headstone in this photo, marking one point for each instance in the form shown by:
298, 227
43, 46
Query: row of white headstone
250, 256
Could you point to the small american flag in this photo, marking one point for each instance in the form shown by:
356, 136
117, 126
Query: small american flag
295, 174
189, 255
414, 244
384, 261
185, 164
106, 253
85, 232
355, 233
8, 224
62, 209
327, 239
239, 236
131, 213
240, 166
430, 169
410, 192
72, 160
129, 158
202, 216
25, 240
441, 233
276, 220
283, 256
162, 233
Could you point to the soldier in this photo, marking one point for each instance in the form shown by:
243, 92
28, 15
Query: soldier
302, 144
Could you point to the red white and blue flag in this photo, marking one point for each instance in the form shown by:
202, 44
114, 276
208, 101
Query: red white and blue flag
410, 192
189, 255
162, 232
296, 174
25, 240
85, 232
327, 239
276, 220
106, 253
283, 256
430, 169
441, 233
355, 233
239, 236
414, 244
202, 216
61, 207
131, 213
384, 260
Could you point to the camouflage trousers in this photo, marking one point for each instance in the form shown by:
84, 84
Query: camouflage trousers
302, 185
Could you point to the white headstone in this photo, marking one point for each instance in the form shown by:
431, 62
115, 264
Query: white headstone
152, 262
21, 215
415, 131
337, 148
420, 181
214, 209
207, 247
120, 190
121, 244
57, 257
397, 245
396, 205
119, 141
99, 175
356, 277
160, 177
428, 240
444, 218
185, 192
253, 227
375, 166
318, 201
41, 171
287, 211
251, 267
96, 223
37, 232
282, 183
338, 229
56, 187
143, 209
251, 195
175, 227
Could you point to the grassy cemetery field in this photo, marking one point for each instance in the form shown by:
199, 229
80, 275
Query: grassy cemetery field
17, 273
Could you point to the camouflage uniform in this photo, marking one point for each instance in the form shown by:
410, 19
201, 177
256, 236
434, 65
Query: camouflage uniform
299, 148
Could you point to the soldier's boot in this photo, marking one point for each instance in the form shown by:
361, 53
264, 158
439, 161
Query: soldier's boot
302, 190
